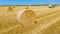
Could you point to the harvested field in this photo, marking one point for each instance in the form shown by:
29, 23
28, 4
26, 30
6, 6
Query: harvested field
47, 20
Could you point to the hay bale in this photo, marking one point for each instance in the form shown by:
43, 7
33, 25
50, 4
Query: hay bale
51, 6
27, 17
10, 8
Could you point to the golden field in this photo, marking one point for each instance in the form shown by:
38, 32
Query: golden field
48, 20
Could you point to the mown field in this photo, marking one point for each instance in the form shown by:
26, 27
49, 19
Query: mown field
48, 20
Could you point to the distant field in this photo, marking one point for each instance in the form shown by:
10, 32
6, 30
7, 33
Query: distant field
48, 20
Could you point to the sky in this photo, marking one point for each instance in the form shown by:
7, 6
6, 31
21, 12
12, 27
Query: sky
28, 2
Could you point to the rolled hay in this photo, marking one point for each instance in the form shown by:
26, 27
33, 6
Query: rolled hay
51, 6
13, 6
26, 17
10, 8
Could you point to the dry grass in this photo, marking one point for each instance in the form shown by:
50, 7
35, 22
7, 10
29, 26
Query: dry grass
48, 21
